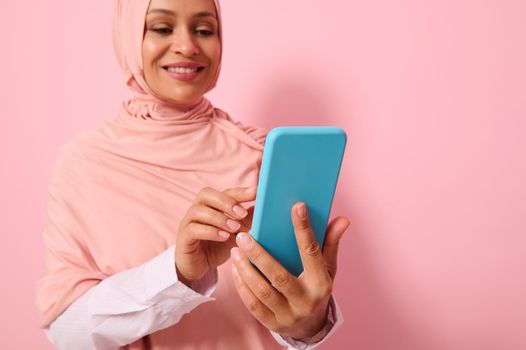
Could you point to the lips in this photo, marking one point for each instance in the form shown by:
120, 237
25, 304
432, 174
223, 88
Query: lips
184, 67
184, 70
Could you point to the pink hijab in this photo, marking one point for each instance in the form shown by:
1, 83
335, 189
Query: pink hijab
128, 31
118, 192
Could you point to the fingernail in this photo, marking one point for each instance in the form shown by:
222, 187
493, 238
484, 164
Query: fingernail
250, 190
235, 254
240, 211
223, 234
244, 240
301, 209
234, 225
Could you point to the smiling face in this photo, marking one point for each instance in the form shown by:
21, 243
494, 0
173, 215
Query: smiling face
181, 49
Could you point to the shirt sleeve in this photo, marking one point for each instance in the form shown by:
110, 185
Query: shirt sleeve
334, 321
129, 305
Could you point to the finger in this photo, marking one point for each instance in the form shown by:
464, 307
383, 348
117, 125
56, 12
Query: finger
207, 233
252, 303
257, 284
309, 249
242, 194
281, 279
246, 223
202, 214
335, 231
225, 201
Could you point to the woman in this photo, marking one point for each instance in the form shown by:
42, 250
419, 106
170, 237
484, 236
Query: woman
148, 215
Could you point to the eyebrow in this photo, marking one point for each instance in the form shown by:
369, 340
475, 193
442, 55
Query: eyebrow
171, 13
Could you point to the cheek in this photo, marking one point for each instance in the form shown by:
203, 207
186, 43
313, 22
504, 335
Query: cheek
214, 53
152, 52
148, 54
217, 56
216, 59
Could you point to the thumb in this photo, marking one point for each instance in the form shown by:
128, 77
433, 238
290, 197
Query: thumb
335, 230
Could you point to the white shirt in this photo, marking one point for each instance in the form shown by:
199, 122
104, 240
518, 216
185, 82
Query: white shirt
134, 303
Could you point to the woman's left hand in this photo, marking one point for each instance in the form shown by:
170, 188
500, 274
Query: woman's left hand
291, 306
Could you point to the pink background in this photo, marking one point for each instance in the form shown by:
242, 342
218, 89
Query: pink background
432, 94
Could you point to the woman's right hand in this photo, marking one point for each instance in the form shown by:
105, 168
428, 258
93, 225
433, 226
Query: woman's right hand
208, 230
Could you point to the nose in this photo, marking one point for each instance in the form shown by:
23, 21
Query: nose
184, 44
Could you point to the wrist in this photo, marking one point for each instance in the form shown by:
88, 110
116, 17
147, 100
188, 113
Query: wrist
181, 278
313, 326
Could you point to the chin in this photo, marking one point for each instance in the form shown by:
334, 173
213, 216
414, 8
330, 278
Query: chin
184, 99
182, 96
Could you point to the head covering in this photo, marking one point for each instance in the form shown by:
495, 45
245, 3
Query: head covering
118, 192
128, 31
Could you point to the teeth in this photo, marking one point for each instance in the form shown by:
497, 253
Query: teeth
181, 70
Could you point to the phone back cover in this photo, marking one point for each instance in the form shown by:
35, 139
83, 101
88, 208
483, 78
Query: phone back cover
299, 164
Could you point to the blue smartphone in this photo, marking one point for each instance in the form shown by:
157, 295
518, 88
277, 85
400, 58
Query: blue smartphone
299, 164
